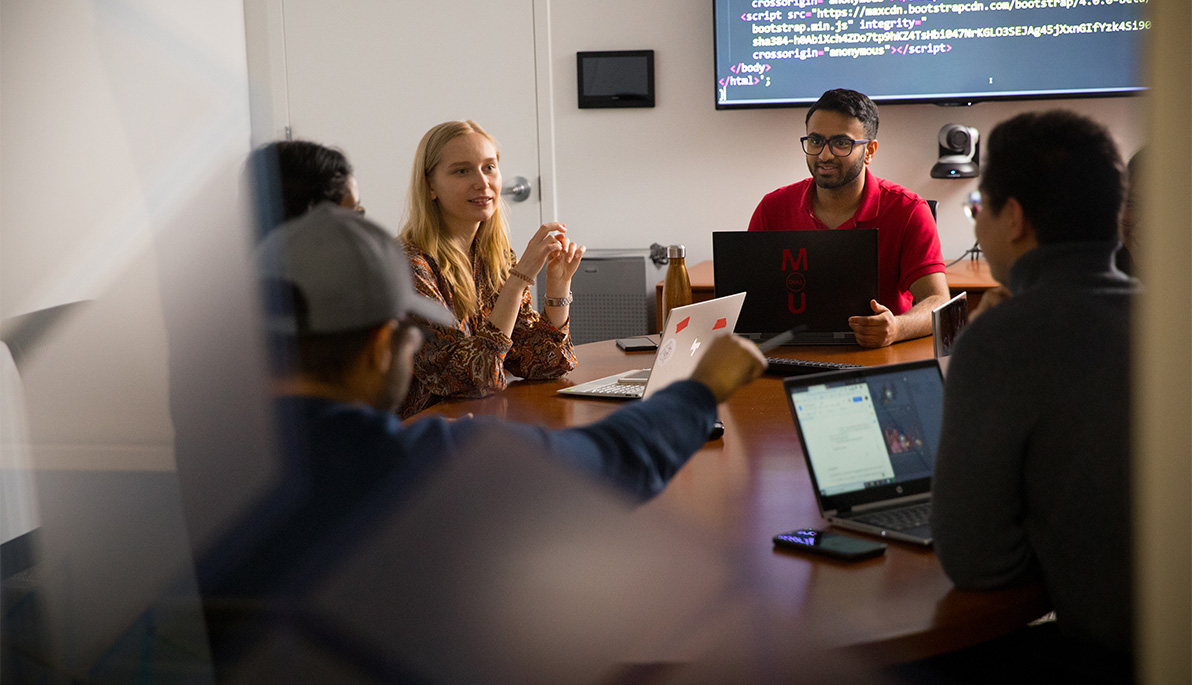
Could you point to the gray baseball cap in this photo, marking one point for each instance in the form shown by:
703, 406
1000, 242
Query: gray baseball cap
347, 274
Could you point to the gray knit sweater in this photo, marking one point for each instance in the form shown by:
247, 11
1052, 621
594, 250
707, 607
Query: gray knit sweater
1032, 473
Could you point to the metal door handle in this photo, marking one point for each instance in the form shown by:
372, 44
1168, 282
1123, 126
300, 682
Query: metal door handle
518, 190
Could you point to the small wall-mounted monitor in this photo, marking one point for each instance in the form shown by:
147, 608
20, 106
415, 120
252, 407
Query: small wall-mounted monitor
615, 78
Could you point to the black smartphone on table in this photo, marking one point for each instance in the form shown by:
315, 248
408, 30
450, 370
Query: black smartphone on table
636, 344
834, 545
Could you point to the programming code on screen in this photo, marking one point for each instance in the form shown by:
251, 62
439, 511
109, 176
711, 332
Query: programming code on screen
774, 52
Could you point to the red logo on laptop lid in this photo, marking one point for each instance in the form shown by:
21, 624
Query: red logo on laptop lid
682, 324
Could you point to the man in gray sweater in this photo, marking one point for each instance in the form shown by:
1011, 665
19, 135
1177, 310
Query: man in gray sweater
1032, 474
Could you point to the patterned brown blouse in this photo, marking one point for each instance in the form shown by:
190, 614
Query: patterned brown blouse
470, 360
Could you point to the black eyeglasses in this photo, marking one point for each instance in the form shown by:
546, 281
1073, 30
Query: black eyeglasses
841, 146
972, 205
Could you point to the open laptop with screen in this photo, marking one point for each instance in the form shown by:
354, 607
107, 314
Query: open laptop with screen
817, 278
869, 438
683, 341
947, 320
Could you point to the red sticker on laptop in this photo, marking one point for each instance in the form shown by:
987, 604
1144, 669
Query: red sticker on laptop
682, 324
720, 323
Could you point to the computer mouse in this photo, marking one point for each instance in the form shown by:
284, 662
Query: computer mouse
717, 430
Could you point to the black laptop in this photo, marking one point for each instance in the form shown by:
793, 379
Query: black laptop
815, 278
869, 436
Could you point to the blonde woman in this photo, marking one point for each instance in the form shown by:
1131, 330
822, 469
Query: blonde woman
458, 244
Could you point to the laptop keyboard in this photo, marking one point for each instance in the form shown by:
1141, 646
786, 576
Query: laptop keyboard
781, 366
898, 519
619, 389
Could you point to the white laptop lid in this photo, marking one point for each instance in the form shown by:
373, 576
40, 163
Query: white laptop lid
685, 336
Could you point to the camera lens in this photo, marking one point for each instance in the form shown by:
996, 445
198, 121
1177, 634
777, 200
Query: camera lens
958, 139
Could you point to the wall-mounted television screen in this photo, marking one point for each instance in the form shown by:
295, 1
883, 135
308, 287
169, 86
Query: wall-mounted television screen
773, 53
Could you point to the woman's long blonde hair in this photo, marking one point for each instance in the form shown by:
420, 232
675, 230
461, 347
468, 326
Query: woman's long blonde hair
425, 229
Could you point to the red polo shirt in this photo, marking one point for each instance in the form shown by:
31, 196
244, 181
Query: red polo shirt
907, 241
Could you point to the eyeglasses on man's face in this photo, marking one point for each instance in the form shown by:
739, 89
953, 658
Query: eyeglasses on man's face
841, 146
972, 205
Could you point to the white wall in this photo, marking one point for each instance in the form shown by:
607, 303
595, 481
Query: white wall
118, 120
123, 128
677, 172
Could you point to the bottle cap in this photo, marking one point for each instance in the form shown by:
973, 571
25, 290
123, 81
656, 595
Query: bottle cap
676, 252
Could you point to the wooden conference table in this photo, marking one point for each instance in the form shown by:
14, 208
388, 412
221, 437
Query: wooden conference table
752, 484
967, 275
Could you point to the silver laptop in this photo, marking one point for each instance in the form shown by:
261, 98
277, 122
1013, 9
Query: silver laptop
684, 337
947, 320
869, 437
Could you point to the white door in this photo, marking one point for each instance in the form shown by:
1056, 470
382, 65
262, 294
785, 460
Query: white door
371, 76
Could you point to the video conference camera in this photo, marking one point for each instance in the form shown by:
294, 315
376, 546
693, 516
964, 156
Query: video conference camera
959, 151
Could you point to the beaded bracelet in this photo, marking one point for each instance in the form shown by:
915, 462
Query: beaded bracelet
527, 279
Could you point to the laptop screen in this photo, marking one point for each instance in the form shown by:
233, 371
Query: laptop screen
869, 434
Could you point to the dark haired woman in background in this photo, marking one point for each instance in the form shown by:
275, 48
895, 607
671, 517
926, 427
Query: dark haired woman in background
301, 174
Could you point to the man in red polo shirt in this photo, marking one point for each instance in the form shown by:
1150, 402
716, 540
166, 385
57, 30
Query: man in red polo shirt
840, 142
